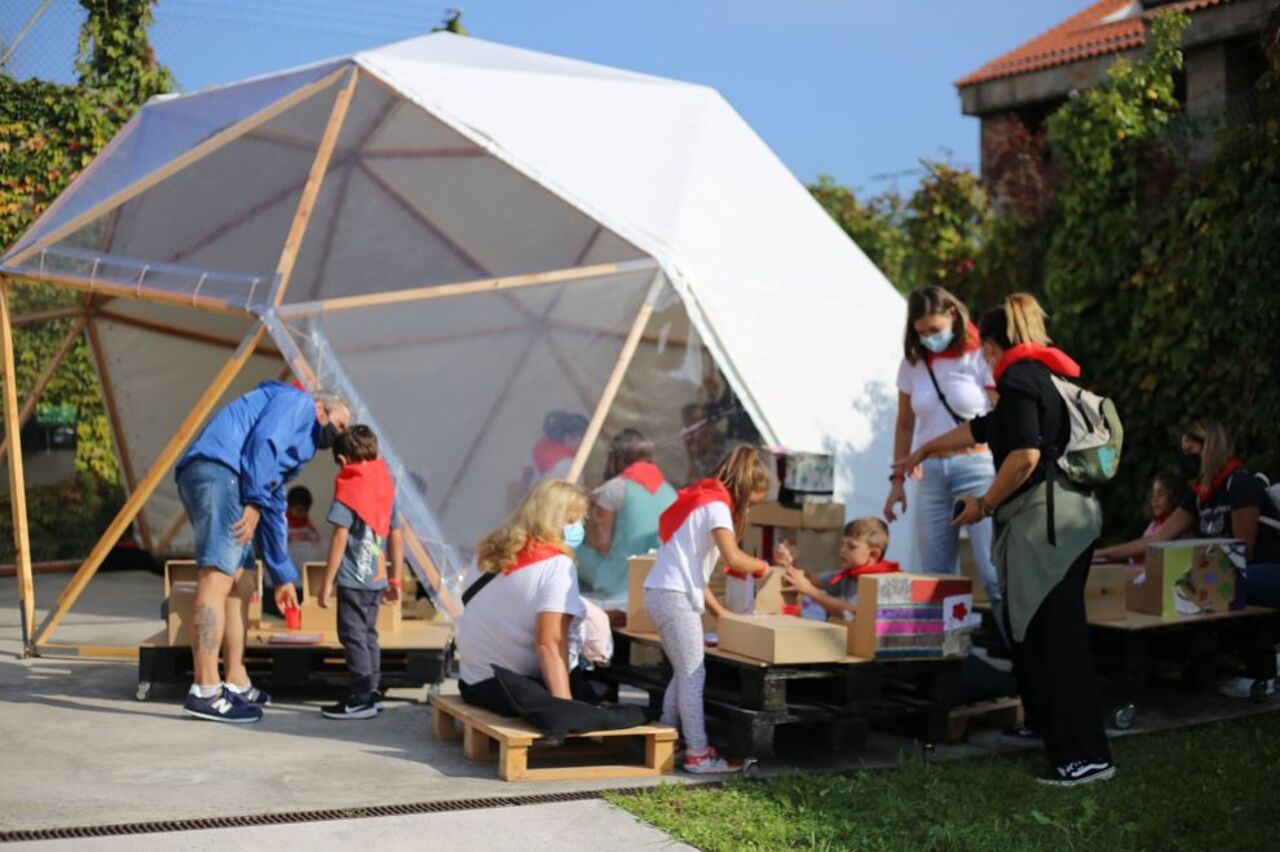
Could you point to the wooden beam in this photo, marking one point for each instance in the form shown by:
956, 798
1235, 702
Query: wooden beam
419, 552
127, 291
45, 316
466, 288
222, 137
311, 191
123, 456
57, 566
615, 381
17, 485
183, 333
90, 652
46, 376
159, 468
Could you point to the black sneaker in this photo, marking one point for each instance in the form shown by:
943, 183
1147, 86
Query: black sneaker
350, 708
1078, 773
223, 707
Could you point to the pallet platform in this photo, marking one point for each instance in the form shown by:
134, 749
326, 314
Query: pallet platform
997, 713
514, 744
417, 655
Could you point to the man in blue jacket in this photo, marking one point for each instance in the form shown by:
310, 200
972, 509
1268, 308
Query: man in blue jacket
232, 483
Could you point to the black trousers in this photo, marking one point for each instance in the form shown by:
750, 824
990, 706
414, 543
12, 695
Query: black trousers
358, 633
490, 695
1053, 665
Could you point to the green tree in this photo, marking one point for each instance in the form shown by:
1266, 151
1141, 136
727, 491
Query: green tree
875, 226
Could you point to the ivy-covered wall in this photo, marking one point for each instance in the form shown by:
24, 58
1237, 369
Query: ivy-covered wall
48, 133
1161, 270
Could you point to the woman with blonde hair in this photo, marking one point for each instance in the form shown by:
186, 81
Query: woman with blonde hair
1042, 578
942, 382
704, 524
522, 600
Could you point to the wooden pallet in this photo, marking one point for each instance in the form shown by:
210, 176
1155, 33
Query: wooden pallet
997, 713
486, 736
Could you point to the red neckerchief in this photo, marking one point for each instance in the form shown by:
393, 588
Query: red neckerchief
880, 567
1051, 356
688, 500
299, 385
534, 552
1224, 473
646, 475
548, 453
300, 523
972, 345
367, 490
1159, 520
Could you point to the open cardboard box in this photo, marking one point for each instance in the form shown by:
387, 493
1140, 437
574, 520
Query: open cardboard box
1190, 576
316, 618
180, 577
637, 619
1105, 592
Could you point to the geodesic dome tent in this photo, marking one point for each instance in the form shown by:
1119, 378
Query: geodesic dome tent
460, 237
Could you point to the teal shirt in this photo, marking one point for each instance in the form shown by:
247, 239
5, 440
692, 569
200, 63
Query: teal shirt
603, 578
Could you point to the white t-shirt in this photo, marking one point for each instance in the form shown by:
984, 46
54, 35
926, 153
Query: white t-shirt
684, 564
963, 380
499, 625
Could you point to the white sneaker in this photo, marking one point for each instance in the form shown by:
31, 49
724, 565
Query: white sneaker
709, 762
1243, 687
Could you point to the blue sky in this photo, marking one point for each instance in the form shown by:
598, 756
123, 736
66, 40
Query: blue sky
852, 88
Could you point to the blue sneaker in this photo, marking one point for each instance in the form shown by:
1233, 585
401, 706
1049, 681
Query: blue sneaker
223, 707
252, 695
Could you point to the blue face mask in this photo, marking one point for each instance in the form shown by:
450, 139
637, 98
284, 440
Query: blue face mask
575, 534
939, 342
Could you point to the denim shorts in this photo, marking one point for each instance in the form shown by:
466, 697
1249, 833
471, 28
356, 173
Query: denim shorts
210, 493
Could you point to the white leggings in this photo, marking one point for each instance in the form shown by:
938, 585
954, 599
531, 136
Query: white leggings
680, 631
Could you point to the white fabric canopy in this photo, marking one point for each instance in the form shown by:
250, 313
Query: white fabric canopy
460, 160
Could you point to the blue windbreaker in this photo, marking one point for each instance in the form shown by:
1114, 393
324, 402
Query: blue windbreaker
267, 435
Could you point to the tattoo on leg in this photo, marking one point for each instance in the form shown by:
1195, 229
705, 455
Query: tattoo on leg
206, 627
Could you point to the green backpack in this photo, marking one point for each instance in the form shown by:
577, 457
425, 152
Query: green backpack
1092, 454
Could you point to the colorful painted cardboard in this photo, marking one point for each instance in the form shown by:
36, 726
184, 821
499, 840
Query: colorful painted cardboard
1190, 577
913, 615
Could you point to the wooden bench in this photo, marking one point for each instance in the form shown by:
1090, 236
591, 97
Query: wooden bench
514, 738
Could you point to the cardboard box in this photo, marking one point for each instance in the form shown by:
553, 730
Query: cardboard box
904, 615
969, 567
815, 550
316, 618
637, 619
783, 639
809, 516
1190, 576
180, 577
1105, 592
747, 596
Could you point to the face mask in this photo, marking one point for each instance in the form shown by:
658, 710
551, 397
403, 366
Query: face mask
328, 434
575, 534
936, 343
1191, 465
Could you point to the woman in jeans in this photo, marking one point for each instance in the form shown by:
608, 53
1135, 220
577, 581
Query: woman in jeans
943, 381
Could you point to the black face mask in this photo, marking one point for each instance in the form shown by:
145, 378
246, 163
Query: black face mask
328, 435
1191, 465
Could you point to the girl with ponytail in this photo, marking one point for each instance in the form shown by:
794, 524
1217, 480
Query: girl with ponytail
705, 523
1043, 581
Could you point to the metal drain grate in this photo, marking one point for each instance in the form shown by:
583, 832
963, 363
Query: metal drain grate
363, 812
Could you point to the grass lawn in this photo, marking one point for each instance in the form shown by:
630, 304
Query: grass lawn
1206, 788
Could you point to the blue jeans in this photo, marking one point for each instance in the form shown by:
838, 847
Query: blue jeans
210, 493
1262, 585
945, 480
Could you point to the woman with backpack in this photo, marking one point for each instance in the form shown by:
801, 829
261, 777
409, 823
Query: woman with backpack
1045, 532
942, 382
1225, 500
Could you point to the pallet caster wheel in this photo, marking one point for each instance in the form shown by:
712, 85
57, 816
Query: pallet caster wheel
1124, 717
143, 691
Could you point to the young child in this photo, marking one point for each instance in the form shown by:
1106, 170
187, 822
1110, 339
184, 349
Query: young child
861, 552
705, 522
364, 520
304, 539
553, 454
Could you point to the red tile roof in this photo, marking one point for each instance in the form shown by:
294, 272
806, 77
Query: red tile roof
1107, 26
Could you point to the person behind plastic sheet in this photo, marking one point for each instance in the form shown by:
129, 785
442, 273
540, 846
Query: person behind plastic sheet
522, 618
705, 523
231, 481
704, 442
1224, 500
623, 519
358, 574
942, 382
553, 453
862, 550
1043, 582
303, 539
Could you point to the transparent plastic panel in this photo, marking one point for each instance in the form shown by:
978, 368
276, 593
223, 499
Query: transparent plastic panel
410, 203
676, 396
458, 389
163, 130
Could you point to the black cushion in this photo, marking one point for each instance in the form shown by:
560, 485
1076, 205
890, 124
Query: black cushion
556, 717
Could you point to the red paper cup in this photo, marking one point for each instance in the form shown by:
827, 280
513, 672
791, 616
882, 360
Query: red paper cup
293, 618
791, 609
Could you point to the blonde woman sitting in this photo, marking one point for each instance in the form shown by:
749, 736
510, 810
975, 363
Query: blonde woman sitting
522, 600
